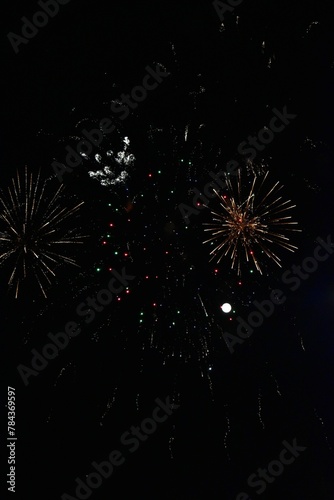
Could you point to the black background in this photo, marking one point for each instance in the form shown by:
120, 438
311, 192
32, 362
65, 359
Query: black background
88, 54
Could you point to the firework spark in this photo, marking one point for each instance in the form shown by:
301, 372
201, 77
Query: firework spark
33, 229
251, 223
115, 169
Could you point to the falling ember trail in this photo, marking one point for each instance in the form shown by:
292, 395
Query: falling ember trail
210, 386
276, 383
323, 427
274, 379
228, 430
171, 442
259, 413
206, 314
60, 375
301, 341
110, 403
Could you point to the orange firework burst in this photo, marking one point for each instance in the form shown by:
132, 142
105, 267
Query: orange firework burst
251, 223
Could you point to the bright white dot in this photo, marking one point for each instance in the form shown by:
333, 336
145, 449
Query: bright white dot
226, 308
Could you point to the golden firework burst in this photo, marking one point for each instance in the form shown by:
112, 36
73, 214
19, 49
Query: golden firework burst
34, 230
250, 223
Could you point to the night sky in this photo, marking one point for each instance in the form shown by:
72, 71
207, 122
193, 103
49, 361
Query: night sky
217, 77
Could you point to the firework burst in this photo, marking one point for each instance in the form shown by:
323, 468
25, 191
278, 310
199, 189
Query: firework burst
115, 167
249, 224
34, 231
